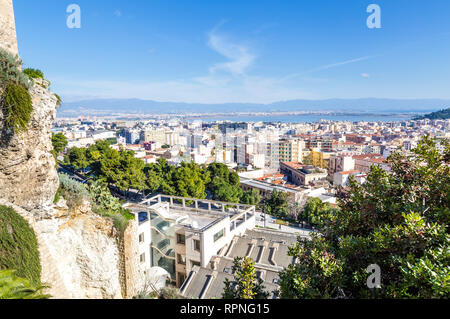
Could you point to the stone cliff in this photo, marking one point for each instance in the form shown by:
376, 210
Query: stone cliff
28, 176
81, 254
79, 250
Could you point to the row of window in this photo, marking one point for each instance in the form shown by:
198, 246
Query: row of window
181, 240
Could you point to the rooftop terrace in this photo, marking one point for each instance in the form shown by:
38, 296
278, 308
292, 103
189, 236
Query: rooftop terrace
198, 214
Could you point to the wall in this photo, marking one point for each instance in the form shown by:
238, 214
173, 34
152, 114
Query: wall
8, 39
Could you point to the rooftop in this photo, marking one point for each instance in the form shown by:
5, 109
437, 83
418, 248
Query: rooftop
189, 212
267, 248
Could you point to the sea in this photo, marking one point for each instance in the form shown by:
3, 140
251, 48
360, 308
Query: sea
307, 118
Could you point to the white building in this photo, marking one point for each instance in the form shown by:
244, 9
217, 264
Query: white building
178, 233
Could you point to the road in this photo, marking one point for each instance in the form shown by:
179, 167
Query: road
270, 224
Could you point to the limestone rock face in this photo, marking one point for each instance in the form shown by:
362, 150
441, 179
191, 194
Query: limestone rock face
78, 251
28, 176
83, 246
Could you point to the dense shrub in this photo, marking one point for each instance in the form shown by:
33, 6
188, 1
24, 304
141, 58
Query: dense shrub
105, 204
34, 73
17, 107
10, 70
18, 246
72, 191
13, 287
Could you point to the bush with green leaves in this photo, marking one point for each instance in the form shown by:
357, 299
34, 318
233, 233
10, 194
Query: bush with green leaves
13, 287
15, 100
34, 73
72, 191
17, 107
105, 204
10, 71
18, 246
397, 220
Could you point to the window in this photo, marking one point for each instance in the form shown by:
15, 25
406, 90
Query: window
142, 258
181, 259
196, 245
219, 235
195, 263
181, 239
141, 238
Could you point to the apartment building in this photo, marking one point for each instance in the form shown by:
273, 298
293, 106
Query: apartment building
365, 161
341, 162
179, 233
302, 175
153, 135
291, 150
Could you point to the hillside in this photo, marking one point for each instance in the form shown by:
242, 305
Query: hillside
439, 115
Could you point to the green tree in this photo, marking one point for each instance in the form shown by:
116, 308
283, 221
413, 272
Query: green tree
188, 181
397, 220
245, 285
77, 158
226, 192
316, 212
251, 197
59, 142
277, 204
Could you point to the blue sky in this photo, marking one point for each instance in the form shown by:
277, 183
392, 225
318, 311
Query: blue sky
238, 51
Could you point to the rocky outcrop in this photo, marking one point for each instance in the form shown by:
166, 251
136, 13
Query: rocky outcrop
78, 251
28, 176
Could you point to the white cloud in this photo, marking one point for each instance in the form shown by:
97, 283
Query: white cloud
365, 75
232, 85
239, 56
118, 13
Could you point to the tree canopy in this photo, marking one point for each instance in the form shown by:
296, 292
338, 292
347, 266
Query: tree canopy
245, 285
397, 220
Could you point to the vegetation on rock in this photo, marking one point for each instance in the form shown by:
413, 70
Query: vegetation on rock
10, 70
34, 73
17, 107
18, 246
13, 287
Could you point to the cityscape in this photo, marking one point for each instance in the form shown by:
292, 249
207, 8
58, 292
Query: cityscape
111, 192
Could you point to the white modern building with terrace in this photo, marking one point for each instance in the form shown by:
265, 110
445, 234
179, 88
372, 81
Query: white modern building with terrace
177, 233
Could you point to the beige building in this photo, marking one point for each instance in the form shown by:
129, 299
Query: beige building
291, 150
153, 136
302, 175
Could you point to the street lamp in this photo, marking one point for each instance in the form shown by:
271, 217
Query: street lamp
264, 211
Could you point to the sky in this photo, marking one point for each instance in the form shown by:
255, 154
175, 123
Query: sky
203, 51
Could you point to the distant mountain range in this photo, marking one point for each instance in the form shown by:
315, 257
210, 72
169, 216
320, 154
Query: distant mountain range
136, 106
